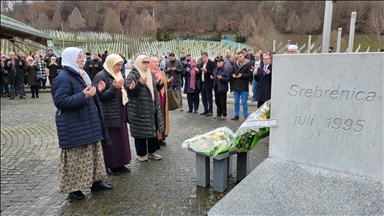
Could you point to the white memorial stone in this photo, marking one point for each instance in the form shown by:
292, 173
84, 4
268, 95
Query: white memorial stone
330, 112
